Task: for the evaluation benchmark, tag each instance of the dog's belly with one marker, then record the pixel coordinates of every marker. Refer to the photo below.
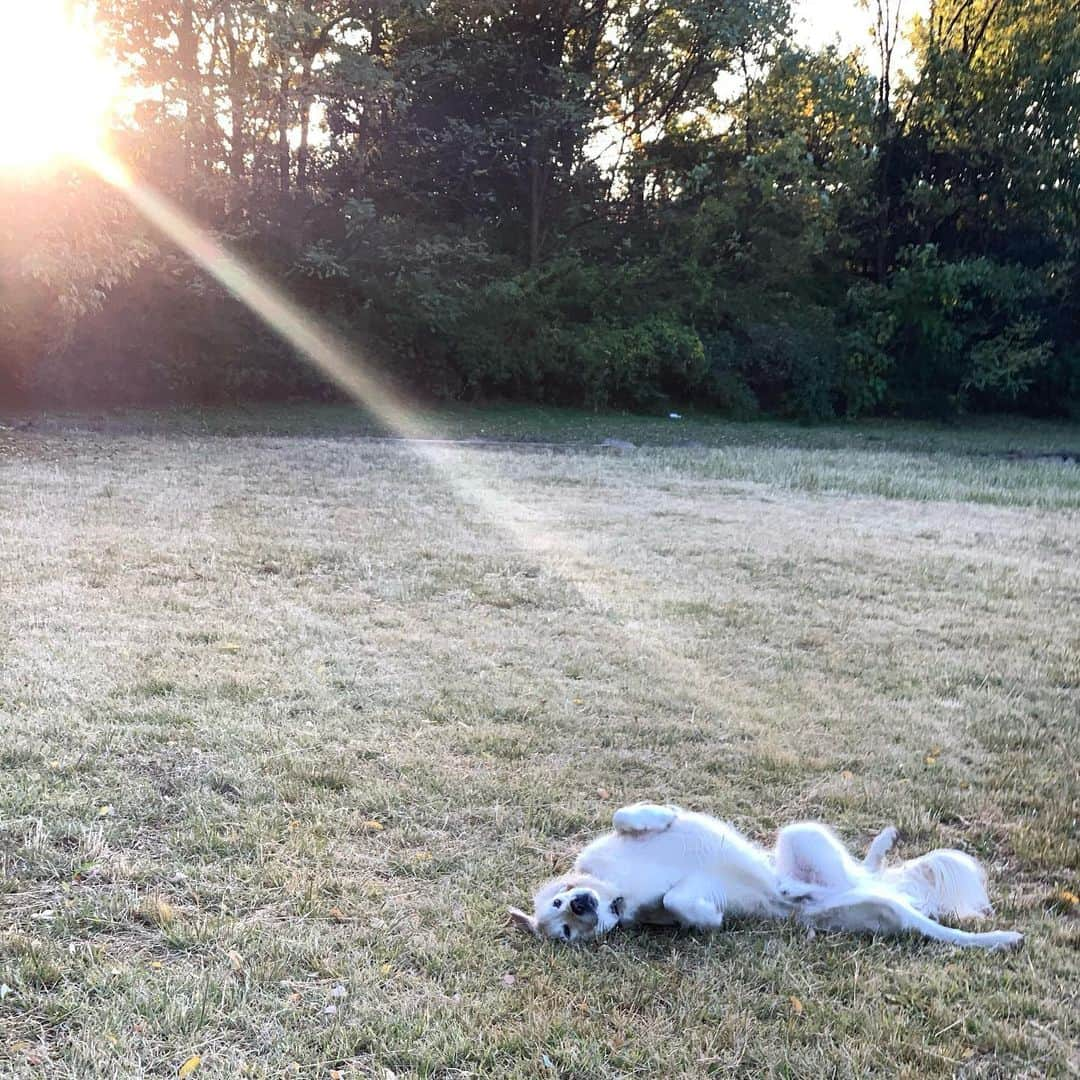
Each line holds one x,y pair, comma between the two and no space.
728,869
641,882
647,866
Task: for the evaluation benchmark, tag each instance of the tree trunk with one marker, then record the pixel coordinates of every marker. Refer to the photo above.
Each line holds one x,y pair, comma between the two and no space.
284,154
236,144
303,155
888,26
538,177
187,58
748,91
239,70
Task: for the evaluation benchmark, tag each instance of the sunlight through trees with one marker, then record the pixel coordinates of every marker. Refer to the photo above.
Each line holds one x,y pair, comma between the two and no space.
603,203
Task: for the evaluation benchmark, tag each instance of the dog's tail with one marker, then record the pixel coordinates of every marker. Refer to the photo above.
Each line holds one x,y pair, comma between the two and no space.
944,882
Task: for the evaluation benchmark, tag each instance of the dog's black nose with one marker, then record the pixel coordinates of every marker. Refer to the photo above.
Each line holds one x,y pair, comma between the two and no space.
583,903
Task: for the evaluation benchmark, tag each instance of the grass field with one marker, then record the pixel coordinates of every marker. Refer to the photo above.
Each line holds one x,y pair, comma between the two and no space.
288,721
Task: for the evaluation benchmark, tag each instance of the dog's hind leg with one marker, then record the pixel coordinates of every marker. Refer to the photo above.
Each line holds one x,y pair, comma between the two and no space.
811,861
643,818
880,847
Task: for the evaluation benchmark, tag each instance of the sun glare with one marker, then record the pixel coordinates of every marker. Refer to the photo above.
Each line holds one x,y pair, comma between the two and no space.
56,87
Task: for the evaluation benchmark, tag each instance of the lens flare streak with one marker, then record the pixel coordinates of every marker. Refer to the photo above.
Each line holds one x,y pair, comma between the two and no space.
529,527
342,362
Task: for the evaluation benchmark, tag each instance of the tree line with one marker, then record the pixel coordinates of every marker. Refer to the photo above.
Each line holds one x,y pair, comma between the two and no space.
606,203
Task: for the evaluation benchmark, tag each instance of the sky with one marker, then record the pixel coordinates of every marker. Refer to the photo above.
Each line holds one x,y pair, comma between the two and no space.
820,21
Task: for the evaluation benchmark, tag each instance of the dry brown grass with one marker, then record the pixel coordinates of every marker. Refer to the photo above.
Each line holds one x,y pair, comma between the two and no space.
286,725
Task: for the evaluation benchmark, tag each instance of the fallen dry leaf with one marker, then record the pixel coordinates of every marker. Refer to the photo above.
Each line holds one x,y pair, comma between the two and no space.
796,1005
189,1066
1063,902
157,911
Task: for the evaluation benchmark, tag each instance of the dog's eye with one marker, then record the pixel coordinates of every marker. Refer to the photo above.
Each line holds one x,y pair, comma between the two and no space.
566,932
556,903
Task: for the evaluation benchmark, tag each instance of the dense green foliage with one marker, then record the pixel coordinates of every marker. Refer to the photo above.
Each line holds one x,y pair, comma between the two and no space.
590,202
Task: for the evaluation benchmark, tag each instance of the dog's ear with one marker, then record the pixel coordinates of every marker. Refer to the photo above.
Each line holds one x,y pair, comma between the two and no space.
523,922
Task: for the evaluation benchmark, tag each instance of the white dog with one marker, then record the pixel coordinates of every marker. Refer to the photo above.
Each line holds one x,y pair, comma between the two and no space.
667,865
660,865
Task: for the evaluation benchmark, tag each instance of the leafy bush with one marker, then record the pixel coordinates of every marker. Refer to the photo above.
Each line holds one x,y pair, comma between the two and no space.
569,335
462,323
171,335
943,332
65,242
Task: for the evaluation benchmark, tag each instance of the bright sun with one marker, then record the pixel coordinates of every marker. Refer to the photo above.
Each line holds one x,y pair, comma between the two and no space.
56,87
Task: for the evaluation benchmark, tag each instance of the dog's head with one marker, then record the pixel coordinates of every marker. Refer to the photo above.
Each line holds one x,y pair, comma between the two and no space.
575,908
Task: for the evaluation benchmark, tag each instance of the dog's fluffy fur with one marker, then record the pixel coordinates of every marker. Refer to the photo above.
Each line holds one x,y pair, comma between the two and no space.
834,891
661,864
666,865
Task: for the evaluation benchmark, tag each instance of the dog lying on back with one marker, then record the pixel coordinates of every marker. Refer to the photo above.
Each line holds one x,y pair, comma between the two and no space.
663,865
